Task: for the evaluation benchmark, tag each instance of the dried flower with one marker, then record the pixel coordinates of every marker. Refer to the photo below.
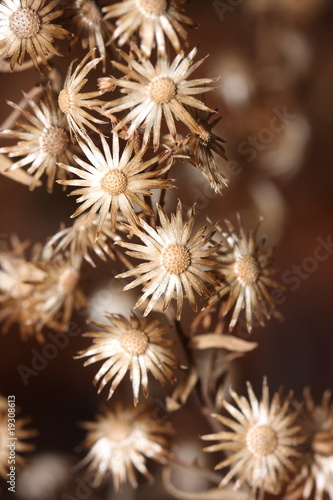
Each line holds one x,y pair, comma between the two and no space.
134,345
246,276
120,441
21,434
156,91
316,475
111,181
90,26
175,261
43,140
25,26
72,102
263,440
153,19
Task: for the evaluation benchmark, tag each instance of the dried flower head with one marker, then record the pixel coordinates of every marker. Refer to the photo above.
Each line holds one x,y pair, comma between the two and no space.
80,239
72,102
153,19
177,261
43,140
130,345
113,181
156,91
21,434
120,441
316,475
246,276
263,441
25,26
89,26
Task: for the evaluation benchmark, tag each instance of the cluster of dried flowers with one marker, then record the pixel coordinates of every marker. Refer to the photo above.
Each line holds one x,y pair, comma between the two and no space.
118,154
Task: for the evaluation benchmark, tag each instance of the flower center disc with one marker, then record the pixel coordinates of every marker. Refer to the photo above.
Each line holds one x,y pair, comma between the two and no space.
176,259
118,431
162,90
114,182
90,12
25,23
322,443
134,342
54,141
68,281
261,440
152,7
247,270
64,101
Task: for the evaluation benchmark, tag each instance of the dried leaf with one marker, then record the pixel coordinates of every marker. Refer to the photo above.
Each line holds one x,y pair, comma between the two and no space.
182,391
211,340
18,175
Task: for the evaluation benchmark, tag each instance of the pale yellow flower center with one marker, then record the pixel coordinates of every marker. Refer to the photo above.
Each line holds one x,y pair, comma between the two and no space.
261,440
247,270
162,90
176,259
90,12
118,431
54,141
152,7
65,101
134,342
25,23
68,281
114,182
322,443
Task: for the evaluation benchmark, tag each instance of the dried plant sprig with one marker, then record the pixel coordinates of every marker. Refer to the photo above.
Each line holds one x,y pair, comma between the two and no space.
132,345
90,27
43,140
114,180
153,19
246,276
177,261
26,26
316,475
74,103
120,442
154,92
263,439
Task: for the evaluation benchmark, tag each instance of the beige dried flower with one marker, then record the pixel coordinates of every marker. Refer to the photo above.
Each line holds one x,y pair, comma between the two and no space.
121,441
153,92
263,440
112,181
20,434
177,261
153,19
43,140
72,102
245,276
25,26
89,26
130,345
316,475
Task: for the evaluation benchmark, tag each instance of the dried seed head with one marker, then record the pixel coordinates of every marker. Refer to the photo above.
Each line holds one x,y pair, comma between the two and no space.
90,12
205,136
162,90
176,259
322,443
151,7
25,23
68,281
247,270
54,141
118,431
134,342
114,182
261,440
65,101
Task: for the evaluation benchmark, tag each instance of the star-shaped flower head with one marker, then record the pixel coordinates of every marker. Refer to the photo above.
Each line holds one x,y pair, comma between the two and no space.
244,268
263,441
130,345
176,260
121,441
153,92
112,181
153,19
26,26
